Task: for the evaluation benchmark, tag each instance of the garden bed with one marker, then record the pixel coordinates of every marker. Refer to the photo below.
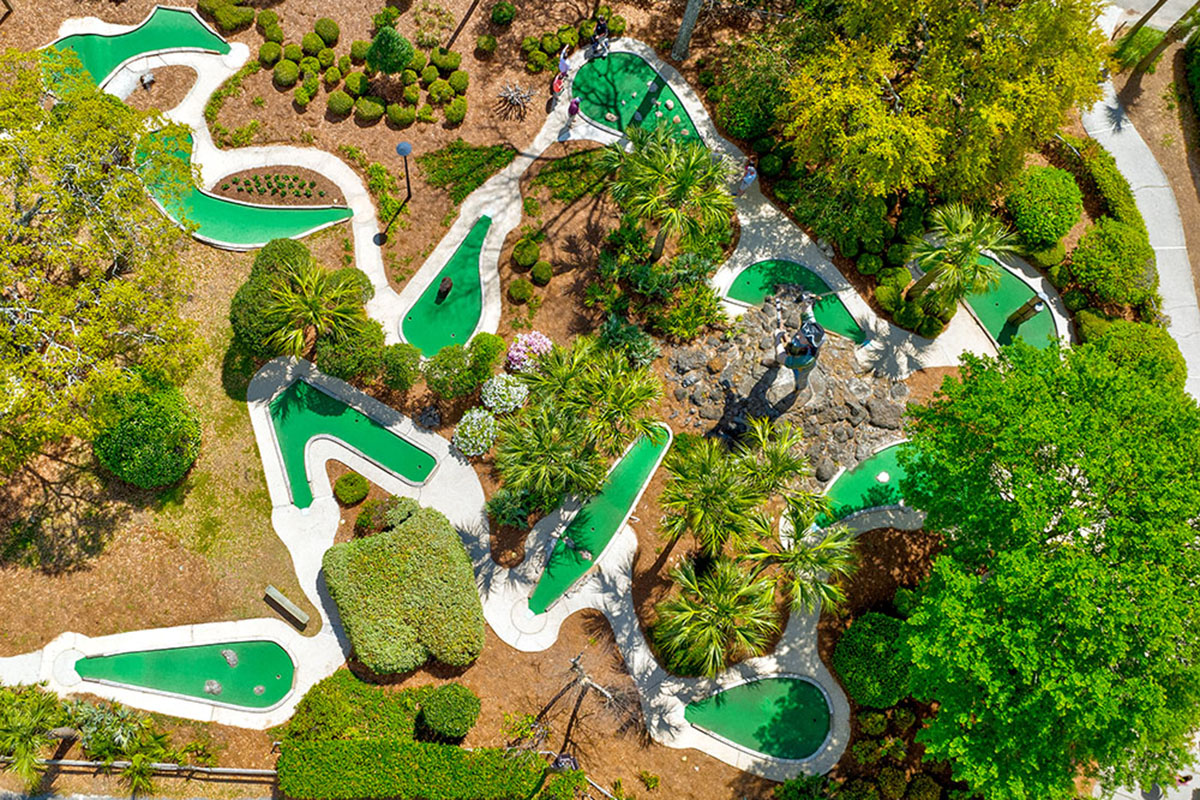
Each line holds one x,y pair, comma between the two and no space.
273,187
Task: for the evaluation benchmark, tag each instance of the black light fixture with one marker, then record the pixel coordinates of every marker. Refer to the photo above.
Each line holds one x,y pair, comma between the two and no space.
404,149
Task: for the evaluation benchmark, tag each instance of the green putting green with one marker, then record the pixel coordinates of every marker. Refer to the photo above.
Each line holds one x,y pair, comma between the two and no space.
621,84
757,281
599,520
303,412
874,482
232,223
432,325
255,674
781,717
994,306
164,29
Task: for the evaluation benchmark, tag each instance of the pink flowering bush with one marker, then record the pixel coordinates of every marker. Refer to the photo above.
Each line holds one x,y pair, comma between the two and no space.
525,351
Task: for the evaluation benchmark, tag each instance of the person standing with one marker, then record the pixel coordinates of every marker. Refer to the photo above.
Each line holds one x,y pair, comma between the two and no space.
564,66
748,176
572,112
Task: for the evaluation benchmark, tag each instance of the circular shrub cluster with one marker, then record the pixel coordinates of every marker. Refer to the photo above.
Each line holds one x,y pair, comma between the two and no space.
340,103
293,52
311,44
429,75
456,111
526,253
351,488
310,65
520,290
869,660
401,115
1045,203
450,711
150,437
475,432
358,50
1115,262
269,53
328,30
358,354
266,18
445,60
368,109
440,92
286,73
504,393
541,273
333,76
486,44
458,81
412,94
503,13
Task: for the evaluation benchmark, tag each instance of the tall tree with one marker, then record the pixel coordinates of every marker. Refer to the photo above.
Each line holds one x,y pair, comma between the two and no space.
953,257
811,564
1177,31
1060,629
679,51
307,301
90,284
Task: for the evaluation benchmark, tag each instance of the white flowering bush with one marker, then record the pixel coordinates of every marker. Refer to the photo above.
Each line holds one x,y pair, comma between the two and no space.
504,393
475,432
525,351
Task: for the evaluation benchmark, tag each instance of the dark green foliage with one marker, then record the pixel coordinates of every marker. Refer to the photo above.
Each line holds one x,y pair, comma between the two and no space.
1048,257
340,103
269,53
369,108
1074,300
1147,349
858,789
385,18
341,707
356,278
1191,69
286,73
503,13
537,61
486,350
357,84
372,515
358,355
278,256
456,110
895,276
412,94
803,787
458,81
509,508
870,661
389,52
905,600
573,176
869,264
872,723
910,315
541,273
401,116
250,326
1045,203
526,253
328,30
447,61
149,436
311,44
897,254
770,165
461,169
923,787
888,298
293,52
351,488
520,291
407,595
228,14
458,371
486,44
930,327
449,712
358,50
892,783
1114,261
550,45
753,91
440,92
903,719
1099,165
401,366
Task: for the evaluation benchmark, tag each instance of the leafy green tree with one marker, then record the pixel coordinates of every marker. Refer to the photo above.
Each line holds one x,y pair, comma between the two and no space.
308,302
720,616
678,184
1060,629
389,52
953,258
811,565
547,453
149,436
90,283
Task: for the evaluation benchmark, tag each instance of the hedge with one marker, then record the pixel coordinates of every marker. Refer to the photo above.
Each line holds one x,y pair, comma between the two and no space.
1114,261
456,110
344,707
1097,164
369,108
407,595
359,354
387,770
1045,203
149,436
450,711
1191,70
377,516
351,489
252,328
870,661
401,116
401,366
1146,349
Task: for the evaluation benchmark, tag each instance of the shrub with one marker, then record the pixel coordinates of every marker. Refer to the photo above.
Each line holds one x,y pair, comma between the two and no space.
341,707
293,52
895,276
251,328
931,327
897,254
1143,348
568,35
1045,203
269,53
531,45
229,16
339,103
1116,263
400,115
328,30
376,516
412,94
368,108
355,278
1092,324
525,351
520,291
923,787
638,346
1191,69
401,366
869,264
892,783
770,165
389,52
326,58
302,96
456,110
486,350
458,81
541,273
910,315
526,253
475,432
358,50
266,18
904,719
309,66
344,65
359,354
504,393
407,595
616,26
429,75
273,33
425,114
440,92
448,374
311,44
872,723
888,298
279,255
486,44
859,789
1048,257
385,18
333,76
419,60
869,660
1074,300
286,73
409,77
503,13
550,45
537,62
351,488
803,787
450,711
149,435
446,61
509,508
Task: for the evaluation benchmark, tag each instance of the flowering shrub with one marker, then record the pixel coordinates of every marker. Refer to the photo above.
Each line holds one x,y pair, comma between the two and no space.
504,393
525,350
475,432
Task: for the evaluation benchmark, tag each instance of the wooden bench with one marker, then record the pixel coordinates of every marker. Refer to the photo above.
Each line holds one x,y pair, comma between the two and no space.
287,608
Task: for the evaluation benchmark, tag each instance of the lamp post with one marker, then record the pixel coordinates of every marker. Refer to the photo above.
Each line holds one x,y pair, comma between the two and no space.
404,149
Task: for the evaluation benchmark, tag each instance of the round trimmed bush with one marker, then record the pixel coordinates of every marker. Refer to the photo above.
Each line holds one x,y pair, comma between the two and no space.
770,165
456,110
445,60
326,58
419,60
269,53
520,290
425,114
333,76
869,264
149,437
526,253
1143,348
541,273
616,26
266,18
869,659
429,74
358,50
440,92
293,52
486,44
550,44
450,711
895,276
530,45
930,327
401,115
892,783
369,109
251,328
458,81
537,62
503,13
273,33
344,65
302,97
1115,262
310,65
311,44
888,298
569,36
351,489
1045,203
357,84
340,104
412,94
286,73
355,279
359,354
897,254
475,432
277,256
328,30
1048,257
401,366
923,787
409,77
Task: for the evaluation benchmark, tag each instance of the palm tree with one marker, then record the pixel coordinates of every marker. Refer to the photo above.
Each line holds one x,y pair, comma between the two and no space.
548,453
308,302
811,565
953,258
678,183
27,717
1174,33
770,455
560,371
718,617
616,397
708,494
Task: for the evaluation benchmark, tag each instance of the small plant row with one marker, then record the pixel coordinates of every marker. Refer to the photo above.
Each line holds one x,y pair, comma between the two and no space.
541,52
275,184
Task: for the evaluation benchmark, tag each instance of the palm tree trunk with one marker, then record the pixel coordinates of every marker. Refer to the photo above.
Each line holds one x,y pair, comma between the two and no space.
690,14
659,243
919,288
1173,34
1137,26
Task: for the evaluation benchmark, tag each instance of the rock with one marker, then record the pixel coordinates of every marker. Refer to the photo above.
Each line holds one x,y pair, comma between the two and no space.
675,119
857,414
687,360
766,344
711,412
690,380
658,114
429,418
841,432
610,116
899,391
230,656
680,393
864,451
716,364
637,116
826,469
783,386
859,388
884,413
671,107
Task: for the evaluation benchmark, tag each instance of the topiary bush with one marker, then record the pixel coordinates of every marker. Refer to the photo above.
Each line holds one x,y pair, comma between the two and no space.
541,273
503,13
326,58
1143,348
485,44
273,33
358,50
445,60
458,80
328,30
228,14
1045,203
550,45
266,18
369,109
339,103
869,660
429,75
475,432
456,110
293,52
504,393
520,290
389,52
526,253
351,488
401,115
892,783
401,366
357,84
269,53
149,435
251,328
616,26
311,44
425,114
286,73
1114,261
302,96
450,711
359,354
344,65
440,92
412,94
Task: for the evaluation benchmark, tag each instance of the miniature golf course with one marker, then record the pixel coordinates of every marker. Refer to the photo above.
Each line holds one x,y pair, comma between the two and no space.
302,412
783,717
994,306
625,85
254,674
164,29
434,321
599,520
873,483
758,281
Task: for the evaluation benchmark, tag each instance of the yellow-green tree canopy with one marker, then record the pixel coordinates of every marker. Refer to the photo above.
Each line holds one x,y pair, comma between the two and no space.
90,286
